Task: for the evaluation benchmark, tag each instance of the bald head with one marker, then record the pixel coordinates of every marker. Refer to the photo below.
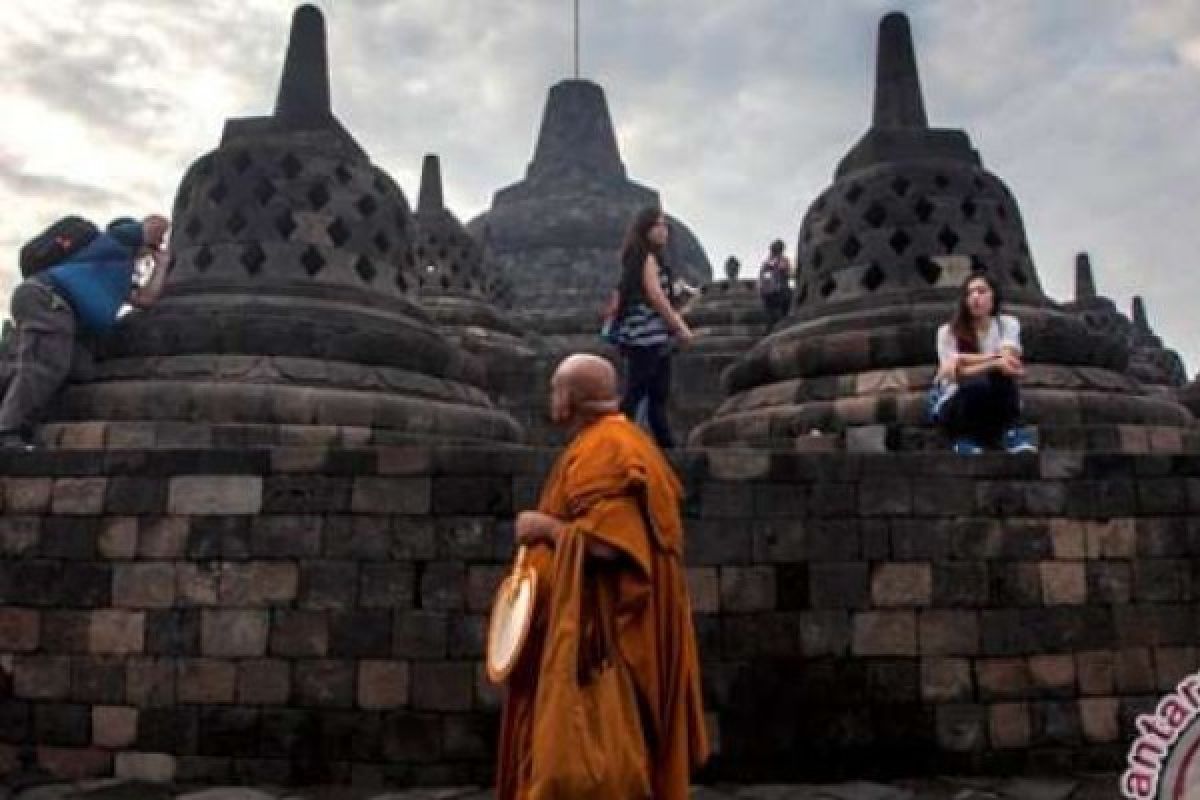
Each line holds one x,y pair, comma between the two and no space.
583,386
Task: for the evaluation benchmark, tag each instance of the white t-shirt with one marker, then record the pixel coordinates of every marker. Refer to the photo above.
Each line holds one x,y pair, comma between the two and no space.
1004,331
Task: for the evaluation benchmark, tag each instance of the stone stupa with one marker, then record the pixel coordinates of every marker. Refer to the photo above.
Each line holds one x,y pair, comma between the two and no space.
881,257
290,311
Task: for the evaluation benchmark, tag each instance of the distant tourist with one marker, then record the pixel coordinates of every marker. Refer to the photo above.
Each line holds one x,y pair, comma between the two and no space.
975,398
80,292
774,284
646,322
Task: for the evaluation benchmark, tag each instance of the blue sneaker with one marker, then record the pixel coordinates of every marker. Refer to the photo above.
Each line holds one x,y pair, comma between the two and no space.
966,447
1018,440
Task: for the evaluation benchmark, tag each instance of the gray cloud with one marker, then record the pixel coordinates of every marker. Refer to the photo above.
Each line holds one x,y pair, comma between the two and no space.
736,112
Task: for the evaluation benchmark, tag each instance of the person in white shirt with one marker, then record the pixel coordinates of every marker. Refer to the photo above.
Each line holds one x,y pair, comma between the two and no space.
976,398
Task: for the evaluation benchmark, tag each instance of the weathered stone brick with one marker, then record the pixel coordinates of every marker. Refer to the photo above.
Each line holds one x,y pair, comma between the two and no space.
1134,671
1098,716
196,583
420,635
135,495
1109,582
164,537
117,539
833,540
946,680
1162,580
461,495
232,634
821,633
1164,537
885,633
1068,537
443,586
299,634
27,495
838,584
326,585
19,537
1002,678
363,633
901,585
306,494
146,767
150,682
382,685
327,684
392,585
942,497
1008,725
1096,672
114,727
149,585
68,538
117,632
66,631
1162,495
1063,582
174,730
98,680
1172,665
356,538
443,685
962,728
206,680
1113,538
226,538
792,587
263,682
832,499
74,763
1055,723
413,539
229,732
19,629
392,495
40,677
703,589
949,633
215,494
747,588
173,632
78,496
259,583
885,497
285,536
718,542
1052,675
779,500
1015,583
960,585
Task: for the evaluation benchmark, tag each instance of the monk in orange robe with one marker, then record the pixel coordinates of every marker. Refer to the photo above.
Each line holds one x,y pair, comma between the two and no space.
608,483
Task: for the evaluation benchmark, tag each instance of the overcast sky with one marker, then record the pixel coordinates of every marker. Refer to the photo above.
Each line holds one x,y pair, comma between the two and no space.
735,110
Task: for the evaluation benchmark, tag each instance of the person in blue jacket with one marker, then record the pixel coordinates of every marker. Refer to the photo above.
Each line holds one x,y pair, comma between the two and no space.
84,293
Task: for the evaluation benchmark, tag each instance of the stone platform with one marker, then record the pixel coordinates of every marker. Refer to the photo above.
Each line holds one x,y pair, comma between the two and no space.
1084,787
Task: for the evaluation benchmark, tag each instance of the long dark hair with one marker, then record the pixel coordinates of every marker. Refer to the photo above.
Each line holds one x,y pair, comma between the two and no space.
961,325
634,250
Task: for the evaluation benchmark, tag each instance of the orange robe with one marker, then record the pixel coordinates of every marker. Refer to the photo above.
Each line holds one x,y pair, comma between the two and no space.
595,486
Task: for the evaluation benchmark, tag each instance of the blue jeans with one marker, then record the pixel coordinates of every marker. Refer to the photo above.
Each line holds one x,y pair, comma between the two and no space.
648,377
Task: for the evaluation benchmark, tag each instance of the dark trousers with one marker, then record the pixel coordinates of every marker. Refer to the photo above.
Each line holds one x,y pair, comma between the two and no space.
45,349
648,377
983,408
777,305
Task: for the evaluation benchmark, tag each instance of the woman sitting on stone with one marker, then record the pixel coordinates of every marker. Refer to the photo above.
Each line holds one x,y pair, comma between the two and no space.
976,399
646,320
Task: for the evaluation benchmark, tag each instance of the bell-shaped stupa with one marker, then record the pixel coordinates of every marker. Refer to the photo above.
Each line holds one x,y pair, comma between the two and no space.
289,313
881,257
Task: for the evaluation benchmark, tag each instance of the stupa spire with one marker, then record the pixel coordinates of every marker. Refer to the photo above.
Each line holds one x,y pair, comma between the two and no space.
898,100
303,99
430,198
1085,283
1140,320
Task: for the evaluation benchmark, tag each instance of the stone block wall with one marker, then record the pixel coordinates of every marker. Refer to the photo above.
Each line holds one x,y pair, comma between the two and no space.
316,615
